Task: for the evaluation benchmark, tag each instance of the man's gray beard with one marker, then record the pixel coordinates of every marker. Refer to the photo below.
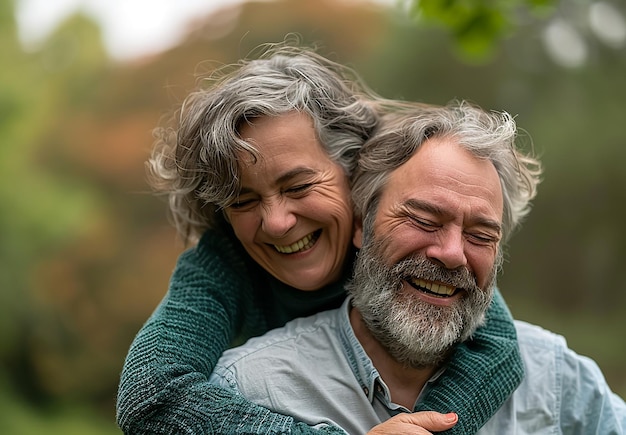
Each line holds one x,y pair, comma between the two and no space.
415,332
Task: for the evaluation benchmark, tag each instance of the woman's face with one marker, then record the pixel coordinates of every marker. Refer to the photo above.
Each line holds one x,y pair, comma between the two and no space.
293,214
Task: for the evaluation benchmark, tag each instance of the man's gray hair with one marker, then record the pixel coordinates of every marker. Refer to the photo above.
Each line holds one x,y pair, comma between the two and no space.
195,162
487,135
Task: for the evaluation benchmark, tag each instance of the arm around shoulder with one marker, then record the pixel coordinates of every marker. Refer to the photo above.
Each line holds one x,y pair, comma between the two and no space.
164,384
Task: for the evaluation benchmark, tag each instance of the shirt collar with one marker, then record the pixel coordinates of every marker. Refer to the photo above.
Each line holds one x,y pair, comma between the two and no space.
361,365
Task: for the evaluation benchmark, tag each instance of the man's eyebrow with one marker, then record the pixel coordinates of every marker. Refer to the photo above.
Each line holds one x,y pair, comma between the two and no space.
418,204
429,207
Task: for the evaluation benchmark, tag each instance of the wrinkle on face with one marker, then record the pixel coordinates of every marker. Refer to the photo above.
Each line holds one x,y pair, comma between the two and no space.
292,191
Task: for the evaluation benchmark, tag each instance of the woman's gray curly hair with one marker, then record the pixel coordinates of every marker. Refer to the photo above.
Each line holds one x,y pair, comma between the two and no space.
195,162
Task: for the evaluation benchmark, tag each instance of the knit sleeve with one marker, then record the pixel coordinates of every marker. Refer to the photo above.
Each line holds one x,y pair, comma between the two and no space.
481,374
164,385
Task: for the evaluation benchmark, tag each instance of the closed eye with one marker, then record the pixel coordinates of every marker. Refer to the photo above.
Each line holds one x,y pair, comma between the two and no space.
300,188
424,224
481,239
243,204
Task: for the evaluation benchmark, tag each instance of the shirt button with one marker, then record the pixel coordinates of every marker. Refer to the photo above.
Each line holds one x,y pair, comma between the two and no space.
366,391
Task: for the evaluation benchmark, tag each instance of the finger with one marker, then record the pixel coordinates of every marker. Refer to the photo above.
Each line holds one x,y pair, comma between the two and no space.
430,420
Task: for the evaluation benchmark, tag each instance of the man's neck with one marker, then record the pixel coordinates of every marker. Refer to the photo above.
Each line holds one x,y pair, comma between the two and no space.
405,383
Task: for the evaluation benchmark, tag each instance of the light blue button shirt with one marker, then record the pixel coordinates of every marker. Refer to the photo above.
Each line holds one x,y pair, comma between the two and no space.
315,370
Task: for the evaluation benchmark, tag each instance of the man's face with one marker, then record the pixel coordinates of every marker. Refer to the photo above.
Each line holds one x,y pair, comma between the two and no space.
424,280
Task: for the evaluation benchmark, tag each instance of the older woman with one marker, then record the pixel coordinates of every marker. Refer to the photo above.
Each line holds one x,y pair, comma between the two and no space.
258,170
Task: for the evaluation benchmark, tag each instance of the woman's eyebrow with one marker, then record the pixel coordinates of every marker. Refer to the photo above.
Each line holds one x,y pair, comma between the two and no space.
292,173
284,178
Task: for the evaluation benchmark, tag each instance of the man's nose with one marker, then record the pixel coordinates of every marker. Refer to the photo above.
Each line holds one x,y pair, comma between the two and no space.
277,218
448,249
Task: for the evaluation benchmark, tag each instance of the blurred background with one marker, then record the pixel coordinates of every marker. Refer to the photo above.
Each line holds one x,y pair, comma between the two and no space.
86,251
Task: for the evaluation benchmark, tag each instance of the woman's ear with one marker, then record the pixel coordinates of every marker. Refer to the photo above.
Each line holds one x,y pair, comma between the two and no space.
357,237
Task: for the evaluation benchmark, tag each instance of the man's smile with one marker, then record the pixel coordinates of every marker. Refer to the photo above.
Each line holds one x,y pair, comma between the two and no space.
433,288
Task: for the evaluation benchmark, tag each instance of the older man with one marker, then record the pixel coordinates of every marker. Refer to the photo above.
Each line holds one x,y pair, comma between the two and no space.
437,192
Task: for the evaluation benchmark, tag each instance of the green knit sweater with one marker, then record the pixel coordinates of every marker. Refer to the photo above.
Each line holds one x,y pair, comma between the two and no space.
219,296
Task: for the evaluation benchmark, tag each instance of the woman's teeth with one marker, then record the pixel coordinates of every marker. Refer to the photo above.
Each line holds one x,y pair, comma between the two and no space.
432,287
301,245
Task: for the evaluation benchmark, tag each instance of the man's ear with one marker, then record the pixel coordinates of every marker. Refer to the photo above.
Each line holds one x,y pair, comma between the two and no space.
357,237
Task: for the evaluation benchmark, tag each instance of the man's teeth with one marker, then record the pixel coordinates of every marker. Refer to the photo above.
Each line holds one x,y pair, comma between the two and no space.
439,289
305,243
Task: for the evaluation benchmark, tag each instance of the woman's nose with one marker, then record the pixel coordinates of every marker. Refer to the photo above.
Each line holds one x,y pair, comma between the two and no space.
277,219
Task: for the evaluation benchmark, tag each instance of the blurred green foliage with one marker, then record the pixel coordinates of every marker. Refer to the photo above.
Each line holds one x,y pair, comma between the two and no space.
478,26
86,251
21,417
